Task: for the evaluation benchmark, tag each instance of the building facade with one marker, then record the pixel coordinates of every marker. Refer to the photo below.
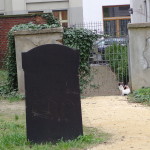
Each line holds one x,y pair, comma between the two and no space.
66,10
140,11
73,11
114,15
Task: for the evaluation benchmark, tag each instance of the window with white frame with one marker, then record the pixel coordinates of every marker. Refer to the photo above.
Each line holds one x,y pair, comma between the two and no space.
116,19
62,15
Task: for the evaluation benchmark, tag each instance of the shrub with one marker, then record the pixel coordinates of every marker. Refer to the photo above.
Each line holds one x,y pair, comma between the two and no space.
141,96
117,57
82,40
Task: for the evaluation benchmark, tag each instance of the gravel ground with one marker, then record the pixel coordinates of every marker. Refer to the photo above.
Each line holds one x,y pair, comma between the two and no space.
129,123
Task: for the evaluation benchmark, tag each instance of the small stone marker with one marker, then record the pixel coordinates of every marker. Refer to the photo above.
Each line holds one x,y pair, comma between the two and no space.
53,108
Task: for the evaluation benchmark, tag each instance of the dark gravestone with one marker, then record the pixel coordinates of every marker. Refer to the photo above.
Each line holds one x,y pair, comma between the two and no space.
53,108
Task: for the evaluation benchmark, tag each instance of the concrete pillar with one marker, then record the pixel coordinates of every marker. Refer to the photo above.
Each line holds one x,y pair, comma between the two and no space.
18,7
139,55
26,40
75,12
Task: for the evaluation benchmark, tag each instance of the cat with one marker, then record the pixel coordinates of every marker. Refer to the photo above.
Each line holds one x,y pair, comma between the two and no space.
125,90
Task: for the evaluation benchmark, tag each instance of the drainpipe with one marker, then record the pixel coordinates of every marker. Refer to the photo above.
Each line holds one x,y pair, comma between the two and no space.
145,3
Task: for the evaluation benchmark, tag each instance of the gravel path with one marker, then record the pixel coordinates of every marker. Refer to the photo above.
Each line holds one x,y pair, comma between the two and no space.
128,123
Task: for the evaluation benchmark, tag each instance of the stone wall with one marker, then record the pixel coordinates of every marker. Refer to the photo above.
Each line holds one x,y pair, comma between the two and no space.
103,82
139,55
26,40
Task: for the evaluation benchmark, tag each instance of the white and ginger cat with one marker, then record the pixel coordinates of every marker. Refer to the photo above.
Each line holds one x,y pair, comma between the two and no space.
125,90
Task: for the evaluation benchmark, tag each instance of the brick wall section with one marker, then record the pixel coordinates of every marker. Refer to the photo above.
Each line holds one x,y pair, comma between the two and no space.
7,22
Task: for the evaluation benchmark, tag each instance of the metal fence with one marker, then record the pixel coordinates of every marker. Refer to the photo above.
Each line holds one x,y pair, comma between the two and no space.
96,27
112,51
108,60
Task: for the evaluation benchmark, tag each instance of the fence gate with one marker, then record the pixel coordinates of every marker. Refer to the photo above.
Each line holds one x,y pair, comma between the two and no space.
109,59
109,66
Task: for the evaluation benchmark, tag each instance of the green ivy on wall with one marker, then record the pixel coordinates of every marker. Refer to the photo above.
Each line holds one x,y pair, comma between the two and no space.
51,19
82,40
11,55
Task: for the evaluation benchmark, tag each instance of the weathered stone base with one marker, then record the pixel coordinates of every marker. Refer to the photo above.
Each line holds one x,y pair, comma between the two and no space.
26,40
103,82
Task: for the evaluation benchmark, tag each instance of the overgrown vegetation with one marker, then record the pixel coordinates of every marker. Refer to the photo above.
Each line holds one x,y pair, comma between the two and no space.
9,88
13,137
117,57
4,94
140,96
51,20
82,40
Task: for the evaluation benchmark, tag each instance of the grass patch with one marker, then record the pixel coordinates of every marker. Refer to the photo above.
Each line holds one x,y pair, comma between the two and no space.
4,94
12,96
140,96
13,137
3,76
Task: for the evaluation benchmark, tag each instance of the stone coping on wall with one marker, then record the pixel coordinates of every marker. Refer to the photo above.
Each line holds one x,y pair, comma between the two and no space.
43,31
138,25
